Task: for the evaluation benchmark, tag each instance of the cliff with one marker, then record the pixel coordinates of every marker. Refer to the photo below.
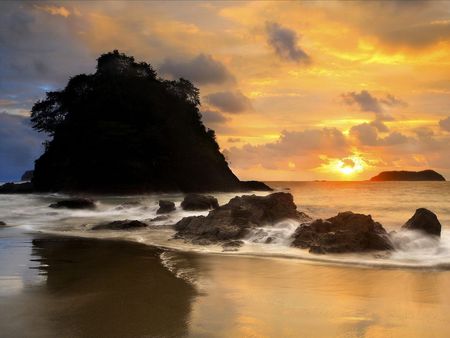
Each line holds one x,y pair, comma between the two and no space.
425,175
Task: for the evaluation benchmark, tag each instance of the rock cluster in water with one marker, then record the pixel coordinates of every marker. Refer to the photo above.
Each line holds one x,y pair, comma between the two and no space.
233,220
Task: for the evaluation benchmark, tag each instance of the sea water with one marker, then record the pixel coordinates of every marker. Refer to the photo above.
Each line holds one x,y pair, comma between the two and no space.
390,203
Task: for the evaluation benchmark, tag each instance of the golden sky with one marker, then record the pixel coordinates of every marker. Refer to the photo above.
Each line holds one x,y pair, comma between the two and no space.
295,90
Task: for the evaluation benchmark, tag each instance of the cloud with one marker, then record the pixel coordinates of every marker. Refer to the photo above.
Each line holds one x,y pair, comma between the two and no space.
39,52
366,134
285,43
302,148
445,124
20,145
234,140
213,117
202,69
54,10
233,102
366,102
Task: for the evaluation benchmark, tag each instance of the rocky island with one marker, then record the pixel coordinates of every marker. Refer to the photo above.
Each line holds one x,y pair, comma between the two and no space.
123,129
425,175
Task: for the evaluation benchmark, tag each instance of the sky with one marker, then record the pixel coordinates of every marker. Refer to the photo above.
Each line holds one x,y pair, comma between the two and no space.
318,90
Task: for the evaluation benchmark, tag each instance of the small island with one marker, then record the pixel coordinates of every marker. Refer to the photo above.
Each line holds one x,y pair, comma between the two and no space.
124,129
425,175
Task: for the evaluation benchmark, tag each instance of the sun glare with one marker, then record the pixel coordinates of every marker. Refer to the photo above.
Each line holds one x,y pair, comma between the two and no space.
350,165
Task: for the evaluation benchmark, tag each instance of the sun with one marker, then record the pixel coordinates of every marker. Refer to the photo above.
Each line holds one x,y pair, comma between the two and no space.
349,165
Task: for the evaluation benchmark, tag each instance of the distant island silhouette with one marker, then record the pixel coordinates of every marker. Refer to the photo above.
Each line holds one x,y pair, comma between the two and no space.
425,175
124,129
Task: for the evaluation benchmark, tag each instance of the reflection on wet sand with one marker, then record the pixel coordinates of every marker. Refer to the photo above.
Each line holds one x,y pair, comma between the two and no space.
98,288
261,297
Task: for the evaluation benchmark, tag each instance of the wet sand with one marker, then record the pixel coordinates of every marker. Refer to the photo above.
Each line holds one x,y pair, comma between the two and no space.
71,287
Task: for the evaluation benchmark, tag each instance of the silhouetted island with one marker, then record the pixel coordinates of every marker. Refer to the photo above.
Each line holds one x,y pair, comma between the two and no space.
124,129
425,175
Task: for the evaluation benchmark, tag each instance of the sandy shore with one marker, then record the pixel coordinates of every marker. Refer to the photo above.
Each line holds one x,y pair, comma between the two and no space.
71,287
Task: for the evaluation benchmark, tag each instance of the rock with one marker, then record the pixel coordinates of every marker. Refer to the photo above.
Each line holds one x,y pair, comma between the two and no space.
199,202
425,175
233,244
255,186
17,188
27,175
74,203
233,220
424,220
165,207
346,232
2,224
159,218
120,225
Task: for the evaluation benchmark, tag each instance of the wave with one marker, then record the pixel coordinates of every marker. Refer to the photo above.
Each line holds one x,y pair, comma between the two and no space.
31,213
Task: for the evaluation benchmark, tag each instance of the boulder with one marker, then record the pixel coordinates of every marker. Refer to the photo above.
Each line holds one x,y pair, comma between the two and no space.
165,207
17,188
346,232
120,225
199,202
424,220
233,220
74,203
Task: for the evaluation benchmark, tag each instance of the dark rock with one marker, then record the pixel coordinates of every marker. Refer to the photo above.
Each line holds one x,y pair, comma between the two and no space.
27,175
120,225
233,244
424,220
2,224
255,186
233,220
346,232
17,188
159,218
165,207
199,202
425,175
75,203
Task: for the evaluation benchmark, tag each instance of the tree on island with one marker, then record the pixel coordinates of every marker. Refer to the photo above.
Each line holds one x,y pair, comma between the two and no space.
124,129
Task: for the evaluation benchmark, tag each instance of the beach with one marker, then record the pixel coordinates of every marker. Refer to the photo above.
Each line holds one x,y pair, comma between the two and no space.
60,278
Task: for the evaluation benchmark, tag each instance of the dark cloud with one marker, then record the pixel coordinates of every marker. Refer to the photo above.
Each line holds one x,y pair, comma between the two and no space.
202,69
20,145
366,102
285,43
233,102
211,117
445,124
39,52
